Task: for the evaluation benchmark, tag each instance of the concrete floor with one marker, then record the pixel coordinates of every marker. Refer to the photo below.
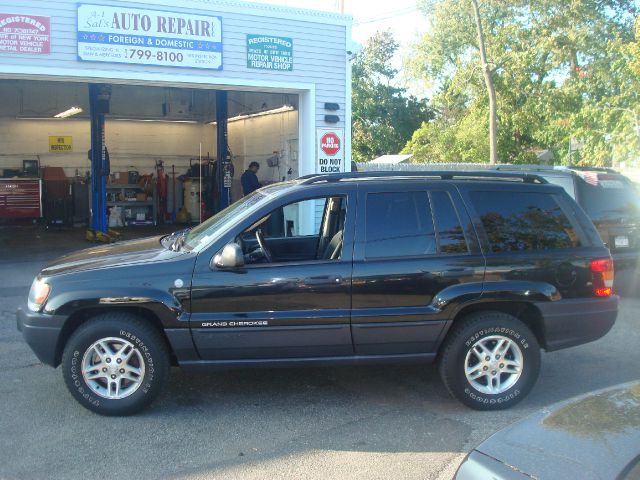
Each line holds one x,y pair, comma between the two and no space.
343,423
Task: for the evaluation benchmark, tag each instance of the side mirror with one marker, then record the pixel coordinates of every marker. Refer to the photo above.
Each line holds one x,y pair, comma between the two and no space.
230,256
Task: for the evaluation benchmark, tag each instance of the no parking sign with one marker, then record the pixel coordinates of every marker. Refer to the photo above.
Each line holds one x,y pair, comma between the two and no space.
330,150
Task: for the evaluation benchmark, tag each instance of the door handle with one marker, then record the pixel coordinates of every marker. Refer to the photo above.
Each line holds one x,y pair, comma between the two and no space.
457,272
323,280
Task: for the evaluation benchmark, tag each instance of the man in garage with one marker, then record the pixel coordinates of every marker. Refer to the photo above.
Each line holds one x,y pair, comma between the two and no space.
249,179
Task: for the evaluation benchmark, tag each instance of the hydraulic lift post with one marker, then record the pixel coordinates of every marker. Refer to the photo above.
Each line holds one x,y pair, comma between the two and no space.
99,96
224,166
98,158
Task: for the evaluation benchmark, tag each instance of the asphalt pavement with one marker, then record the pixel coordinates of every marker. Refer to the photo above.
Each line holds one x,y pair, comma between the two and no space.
343,422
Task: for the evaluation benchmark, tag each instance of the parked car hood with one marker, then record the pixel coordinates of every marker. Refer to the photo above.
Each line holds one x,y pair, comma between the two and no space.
595,436
117,254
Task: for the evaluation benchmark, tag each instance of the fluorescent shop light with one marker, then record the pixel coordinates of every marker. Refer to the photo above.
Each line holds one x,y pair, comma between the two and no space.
244,116
68,113
151,120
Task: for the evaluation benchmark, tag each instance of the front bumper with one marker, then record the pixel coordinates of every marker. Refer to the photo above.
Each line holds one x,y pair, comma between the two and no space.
42,333
572,322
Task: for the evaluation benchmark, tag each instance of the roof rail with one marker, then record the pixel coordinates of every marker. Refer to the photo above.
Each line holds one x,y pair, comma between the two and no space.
580,168
442,175
523,167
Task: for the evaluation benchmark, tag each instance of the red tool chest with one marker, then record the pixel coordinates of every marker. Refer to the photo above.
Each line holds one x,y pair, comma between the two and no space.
20,198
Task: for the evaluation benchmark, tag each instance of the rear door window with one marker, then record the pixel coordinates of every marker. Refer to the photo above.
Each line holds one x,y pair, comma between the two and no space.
524,221
451,237
399,224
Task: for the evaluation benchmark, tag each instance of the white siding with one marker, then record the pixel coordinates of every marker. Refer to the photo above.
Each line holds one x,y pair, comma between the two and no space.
319,39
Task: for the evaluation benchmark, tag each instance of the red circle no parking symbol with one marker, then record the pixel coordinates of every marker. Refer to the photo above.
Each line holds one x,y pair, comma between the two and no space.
330,143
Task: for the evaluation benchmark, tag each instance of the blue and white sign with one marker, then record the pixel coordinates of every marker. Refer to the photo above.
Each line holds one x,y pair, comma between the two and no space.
149,37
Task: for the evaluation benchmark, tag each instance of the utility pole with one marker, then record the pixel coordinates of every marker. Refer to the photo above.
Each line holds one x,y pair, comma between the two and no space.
491,90
341,6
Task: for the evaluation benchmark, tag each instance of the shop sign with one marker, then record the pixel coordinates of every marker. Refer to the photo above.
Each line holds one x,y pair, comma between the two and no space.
60,144
149,37
266,52
29,34
330,150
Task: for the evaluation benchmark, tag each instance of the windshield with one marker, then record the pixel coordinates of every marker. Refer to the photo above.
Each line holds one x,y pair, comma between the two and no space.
211,229
610,198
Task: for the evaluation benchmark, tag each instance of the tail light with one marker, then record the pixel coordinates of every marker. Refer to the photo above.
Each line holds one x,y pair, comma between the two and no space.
602,276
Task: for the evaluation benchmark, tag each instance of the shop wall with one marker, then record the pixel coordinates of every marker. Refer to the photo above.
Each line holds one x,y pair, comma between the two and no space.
130,143
256,139
319,52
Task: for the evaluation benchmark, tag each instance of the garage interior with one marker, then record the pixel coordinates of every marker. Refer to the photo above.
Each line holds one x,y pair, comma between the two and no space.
161,144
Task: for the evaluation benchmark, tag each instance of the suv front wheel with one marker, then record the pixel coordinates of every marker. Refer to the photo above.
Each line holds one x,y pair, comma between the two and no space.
115,364
490,360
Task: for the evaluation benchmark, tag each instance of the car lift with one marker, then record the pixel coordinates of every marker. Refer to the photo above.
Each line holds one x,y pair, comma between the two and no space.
99,96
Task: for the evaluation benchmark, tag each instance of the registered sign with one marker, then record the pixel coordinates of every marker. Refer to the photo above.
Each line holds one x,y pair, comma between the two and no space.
25,34
266,52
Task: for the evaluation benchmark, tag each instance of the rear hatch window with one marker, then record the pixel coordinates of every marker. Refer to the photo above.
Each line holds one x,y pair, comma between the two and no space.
613,204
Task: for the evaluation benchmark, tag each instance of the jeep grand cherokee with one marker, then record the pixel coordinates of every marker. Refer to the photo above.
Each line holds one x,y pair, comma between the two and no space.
477,271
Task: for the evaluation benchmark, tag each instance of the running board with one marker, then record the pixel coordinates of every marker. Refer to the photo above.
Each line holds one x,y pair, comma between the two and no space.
195,365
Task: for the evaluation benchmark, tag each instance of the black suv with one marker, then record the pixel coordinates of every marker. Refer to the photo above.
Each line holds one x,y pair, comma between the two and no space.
475,270
611,201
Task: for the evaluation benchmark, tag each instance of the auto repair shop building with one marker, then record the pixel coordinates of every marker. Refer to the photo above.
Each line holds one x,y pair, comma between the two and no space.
106,93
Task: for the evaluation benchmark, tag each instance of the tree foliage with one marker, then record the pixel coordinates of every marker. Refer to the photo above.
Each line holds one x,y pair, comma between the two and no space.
384,116
562,69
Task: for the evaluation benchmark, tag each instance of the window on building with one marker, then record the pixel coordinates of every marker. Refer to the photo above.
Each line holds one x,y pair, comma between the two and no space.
518,221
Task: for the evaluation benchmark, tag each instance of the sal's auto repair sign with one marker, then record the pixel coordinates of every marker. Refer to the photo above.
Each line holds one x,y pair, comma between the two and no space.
149,37
330,150
21,33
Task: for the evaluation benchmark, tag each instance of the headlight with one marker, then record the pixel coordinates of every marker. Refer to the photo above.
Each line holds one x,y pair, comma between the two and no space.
38,294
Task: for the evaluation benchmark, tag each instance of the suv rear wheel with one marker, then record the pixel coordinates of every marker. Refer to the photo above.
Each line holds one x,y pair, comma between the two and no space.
490,360
115,364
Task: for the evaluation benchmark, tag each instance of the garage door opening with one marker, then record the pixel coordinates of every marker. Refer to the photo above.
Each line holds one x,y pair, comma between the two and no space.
162,150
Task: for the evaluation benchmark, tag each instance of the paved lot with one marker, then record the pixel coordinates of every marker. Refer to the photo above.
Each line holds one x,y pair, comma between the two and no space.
367,422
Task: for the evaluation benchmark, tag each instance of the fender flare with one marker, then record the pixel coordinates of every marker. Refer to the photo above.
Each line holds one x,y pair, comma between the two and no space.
166,307
453,300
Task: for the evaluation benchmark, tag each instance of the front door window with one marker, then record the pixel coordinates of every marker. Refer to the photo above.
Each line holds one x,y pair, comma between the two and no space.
308,230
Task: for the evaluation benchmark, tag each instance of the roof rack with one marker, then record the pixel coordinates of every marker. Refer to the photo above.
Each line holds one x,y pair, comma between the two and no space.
442,175
523,167
592,169
551,168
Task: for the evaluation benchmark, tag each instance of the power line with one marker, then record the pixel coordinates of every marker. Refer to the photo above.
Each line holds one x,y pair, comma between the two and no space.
387,16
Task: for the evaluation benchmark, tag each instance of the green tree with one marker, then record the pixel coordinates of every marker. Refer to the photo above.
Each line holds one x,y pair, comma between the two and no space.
384,116
561,70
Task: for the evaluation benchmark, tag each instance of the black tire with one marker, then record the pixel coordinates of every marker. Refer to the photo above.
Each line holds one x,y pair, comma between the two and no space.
462,338
148,343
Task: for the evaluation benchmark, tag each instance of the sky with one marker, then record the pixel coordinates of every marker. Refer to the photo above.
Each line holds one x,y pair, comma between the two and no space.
369,16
